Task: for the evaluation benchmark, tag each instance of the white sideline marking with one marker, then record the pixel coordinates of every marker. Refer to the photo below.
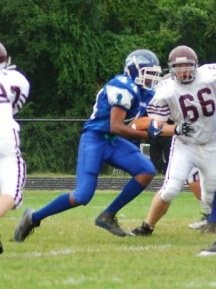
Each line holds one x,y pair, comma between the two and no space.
212,284
83,279
70,251
200,284
36,254
79,280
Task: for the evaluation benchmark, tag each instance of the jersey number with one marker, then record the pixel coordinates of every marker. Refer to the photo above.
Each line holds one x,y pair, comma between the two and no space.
190,111
3,94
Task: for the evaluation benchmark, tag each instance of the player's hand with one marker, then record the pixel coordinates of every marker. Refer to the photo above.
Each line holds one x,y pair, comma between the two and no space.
154,129
185,128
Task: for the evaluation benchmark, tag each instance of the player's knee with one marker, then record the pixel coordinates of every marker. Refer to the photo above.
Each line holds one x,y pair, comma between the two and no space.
169,193
151,171
83,199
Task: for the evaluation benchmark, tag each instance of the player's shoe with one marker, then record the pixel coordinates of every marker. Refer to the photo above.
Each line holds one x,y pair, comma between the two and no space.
25,227
109,222
199,224
209,228
1,248
211,251
143,230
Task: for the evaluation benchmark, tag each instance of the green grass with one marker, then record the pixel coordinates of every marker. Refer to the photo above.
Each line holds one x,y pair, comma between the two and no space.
68,251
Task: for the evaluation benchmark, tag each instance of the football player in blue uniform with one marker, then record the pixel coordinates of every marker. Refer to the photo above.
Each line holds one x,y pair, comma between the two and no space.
105,140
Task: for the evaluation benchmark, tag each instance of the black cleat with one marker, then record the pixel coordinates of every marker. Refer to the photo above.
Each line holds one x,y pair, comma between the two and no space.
211,251
143,230
109,222
25,227
1,248
209,227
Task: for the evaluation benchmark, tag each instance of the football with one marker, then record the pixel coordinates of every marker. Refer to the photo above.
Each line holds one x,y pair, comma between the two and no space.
141,123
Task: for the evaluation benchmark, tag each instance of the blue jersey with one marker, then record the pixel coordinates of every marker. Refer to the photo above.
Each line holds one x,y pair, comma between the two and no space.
97,146
119,91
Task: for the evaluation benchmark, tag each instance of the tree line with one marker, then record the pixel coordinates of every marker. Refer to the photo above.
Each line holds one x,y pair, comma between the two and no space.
68,48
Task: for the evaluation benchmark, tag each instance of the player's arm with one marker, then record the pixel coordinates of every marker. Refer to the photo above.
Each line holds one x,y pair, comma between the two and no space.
164,129
168,129
117,125
20,92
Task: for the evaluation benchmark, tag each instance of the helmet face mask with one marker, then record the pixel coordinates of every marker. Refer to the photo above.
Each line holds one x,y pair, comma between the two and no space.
143,67
148,77
184,74
183,64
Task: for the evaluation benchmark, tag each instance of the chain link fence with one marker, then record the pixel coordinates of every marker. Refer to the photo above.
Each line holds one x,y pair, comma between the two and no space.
50,146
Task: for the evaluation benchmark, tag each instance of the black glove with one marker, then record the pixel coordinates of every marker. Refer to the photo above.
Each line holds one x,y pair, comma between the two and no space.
185,128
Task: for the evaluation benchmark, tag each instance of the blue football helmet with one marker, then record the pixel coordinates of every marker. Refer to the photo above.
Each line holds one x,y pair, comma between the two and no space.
143,67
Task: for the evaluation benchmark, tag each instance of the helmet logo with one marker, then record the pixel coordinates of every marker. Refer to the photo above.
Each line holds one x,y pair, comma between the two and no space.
119,98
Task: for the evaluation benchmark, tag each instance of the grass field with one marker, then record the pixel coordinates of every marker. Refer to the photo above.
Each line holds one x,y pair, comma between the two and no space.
68,251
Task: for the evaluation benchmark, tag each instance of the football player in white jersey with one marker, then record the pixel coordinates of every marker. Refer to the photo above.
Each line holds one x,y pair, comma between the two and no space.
14,91
188,94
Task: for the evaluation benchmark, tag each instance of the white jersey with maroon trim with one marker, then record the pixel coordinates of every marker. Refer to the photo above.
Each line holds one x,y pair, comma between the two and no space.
195,101
14,91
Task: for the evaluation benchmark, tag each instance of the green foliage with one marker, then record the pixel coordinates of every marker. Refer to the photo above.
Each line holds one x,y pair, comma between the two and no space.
69,48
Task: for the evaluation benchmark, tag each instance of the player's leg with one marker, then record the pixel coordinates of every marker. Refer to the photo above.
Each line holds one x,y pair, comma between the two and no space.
205,208
6,204
177,171
32,219
88,166
208,185
12,175
127,157
194,186
210,225
156,154
166,145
